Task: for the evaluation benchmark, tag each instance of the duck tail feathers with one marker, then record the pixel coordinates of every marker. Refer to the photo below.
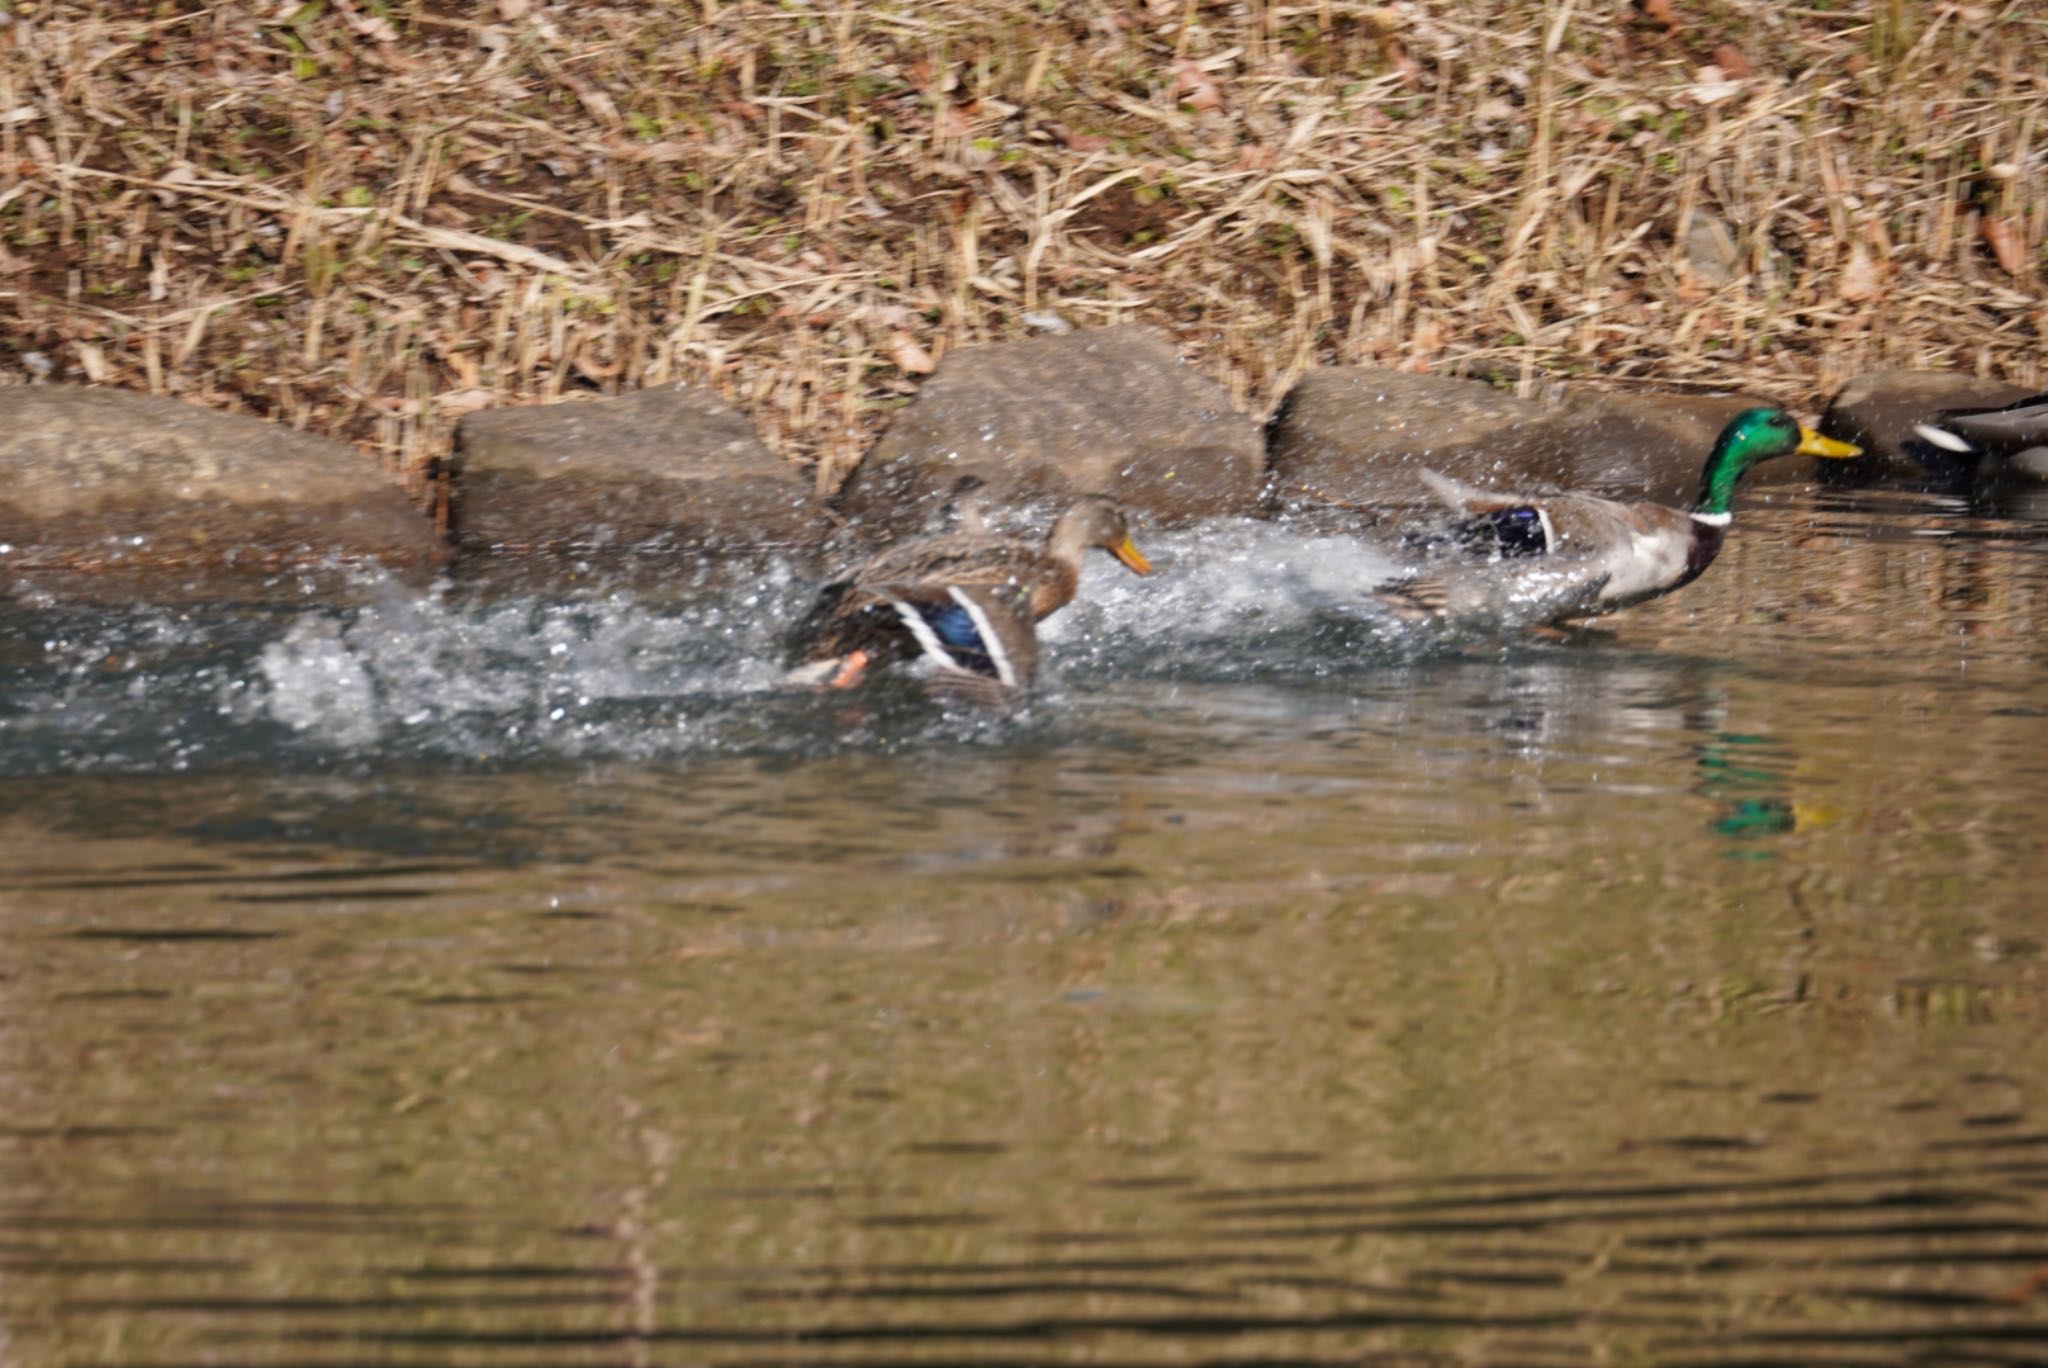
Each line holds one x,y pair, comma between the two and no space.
1453,494
977,691
1415,600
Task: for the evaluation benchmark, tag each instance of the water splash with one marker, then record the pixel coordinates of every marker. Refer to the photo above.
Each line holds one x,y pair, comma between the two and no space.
1229,601
1246,600
477,676
457,677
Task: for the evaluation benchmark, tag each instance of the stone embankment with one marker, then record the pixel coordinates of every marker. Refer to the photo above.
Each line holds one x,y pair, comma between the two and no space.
166,497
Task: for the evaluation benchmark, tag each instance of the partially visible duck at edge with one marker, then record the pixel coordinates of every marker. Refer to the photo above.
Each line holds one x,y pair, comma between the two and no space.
1990,441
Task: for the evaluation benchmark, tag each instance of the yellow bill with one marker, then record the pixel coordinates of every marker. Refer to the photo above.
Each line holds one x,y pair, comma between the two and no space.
1811,443
1127,552
1807,816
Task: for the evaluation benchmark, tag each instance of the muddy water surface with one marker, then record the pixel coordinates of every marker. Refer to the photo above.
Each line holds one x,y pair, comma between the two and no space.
502,982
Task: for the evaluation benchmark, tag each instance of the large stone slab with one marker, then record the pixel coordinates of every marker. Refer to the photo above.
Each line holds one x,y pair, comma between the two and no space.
1111,411
661,469
1878,411
100,480
1355,438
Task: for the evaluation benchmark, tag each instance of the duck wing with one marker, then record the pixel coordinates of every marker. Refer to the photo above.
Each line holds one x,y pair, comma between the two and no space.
957,558
856,612
980,639
1537,595
1597,554
1554,526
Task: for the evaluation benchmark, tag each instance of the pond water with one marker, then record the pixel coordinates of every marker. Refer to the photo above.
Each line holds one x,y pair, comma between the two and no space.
479,979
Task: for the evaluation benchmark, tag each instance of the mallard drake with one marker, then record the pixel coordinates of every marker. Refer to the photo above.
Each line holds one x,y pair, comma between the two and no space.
967,601
1583,555
2011,437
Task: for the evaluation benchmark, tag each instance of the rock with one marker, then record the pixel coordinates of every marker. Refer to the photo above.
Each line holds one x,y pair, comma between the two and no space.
1355,437
101,480
660,469
1710,250
1877,411
1111,411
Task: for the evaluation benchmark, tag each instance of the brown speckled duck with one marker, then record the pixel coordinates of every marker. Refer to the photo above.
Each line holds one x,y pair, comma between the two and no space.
969,602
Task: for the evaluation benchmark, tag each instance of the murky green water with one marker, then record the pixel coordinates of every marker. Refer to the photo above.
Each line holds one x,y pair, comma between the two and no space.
505,983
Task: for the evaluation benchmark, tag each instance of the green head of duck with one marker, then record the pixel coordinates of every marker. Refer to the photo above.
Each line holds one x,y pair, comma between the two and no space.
1758,434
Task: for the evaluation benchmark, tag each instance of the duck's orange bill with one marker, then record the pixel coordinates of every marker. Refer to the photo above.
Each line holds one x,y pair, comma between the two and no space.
1129,554
1811,443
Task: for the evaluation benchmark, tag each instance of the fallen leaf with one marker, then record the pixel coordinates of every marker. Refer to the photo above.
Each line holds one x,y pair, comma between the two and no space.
909,356
455,403
1394,53
668,150
1711,85
601,105
1195,88
2007,243
94,362
1711,249
1860,278
374,27
957,120
1733,64
591,368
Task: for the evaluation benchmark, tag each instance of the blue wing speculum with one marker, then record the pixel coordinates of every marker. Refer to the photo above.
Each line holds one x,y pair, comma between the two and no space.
1506,532
959,636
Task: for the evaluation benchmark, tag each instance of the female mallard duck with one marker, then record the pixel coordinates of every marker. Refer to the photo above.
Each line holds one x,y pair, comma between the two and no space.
2013,437
968,601
1594,555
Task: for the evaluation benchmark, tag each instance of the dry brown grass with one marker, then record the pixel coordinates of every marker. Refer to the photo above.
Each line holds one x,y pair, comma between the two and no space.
366,217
